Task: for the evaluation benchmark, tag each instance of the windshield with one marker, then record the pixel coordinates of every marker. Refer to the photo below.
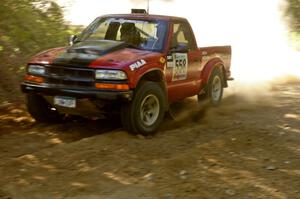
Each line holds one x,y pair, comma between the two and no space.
144,34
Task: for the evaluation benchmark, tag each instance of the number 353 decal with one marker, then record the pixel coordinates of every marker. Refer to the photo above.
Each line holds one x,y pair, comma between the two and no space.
180,64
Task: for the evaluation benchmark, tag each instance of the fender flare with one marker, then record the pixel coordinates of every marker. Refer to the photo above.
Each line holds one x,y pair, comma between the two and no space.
143,74
162,81
209,67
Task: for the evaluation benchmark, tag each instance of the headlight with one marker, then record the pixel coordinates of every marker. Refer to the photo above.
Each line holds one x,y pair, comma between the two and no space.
110,75
36,70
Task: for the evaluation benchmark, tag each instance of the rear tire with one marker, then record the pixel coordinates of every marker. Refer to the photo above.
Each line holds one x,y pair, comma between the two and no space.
146,111
41,110
214,90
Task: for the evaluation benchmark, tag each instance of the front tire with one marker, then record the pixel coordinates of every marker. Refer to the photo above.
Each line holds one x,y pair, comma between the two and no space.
41,110
146,111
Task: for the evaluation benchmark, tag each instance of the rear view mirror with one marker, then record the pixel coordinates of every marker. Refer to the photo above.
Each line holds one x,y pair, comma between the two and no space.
72,39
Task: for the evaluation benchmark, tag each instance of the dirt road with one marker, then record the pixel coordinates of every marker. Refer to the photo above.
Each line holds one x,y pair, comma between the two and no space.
249,147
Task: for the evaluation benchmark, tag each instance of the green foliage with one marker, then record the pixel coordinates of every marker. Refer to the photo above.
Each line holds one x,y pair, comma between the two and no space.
293,14
294,37
27,27
75,29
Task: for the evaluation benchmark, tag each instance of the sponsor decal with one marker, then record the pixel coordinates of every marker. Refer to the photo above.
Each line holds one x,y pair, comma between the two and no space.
162,60
170,61
137,65
224,57
180,64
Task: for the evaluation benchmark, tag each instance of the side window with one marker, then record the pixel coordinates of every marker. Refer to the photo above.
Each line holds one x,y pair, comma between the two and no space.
182,36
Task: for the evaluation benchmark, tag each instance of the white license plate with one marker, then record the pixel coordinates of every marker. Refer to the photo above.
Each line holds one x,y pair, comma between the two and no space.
64,101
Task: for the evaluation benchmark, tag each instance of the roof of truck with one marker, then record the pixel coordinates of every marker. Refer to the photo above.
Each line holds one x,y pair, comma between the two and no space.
146,16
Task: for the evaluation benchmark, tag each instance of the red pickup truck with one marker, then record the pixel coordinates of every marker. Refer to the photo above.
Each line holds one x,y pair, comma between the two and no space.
132,64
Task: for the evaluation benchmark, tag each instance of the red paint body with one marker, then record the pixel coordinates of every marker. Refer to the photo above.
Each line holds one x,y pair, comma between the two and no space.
201,61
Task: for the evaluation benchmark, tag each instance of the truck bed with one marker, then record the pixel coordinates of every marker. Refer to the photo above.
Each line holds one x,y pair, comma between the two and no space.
222,52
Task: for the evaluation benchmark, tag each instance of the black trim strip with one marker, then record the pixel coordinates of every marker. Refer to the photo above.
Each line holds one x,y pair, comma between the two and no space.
78,93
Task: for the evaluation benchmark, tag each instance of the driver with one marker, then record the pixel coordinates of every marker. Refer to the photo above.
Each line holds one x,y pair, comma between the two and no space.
130,34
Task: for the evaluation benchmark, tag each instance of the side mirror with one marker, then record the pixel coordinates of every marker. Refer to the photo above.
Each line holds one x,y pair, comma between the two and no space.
72,39
180,48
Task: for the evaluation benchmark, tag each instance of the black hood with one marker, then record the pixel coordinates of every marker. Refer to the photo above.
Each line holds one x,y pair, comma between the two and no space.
85,52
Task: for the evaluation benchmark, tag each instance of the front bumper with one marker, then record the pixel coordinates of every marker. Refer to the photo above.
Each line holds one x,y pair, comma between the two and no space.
76,92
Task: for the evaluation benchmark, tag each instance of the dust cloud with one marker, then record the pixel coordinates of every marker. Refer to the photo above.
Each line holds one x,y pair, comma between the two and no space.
261,54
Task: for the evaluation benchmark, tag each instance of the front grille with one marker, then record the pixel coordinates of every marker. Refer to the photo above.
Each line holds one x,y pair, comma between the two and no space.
70,77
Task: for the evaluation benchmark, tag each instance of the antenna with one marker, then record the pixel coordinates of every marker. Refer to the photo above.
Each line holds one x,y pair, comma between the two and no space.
148,1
